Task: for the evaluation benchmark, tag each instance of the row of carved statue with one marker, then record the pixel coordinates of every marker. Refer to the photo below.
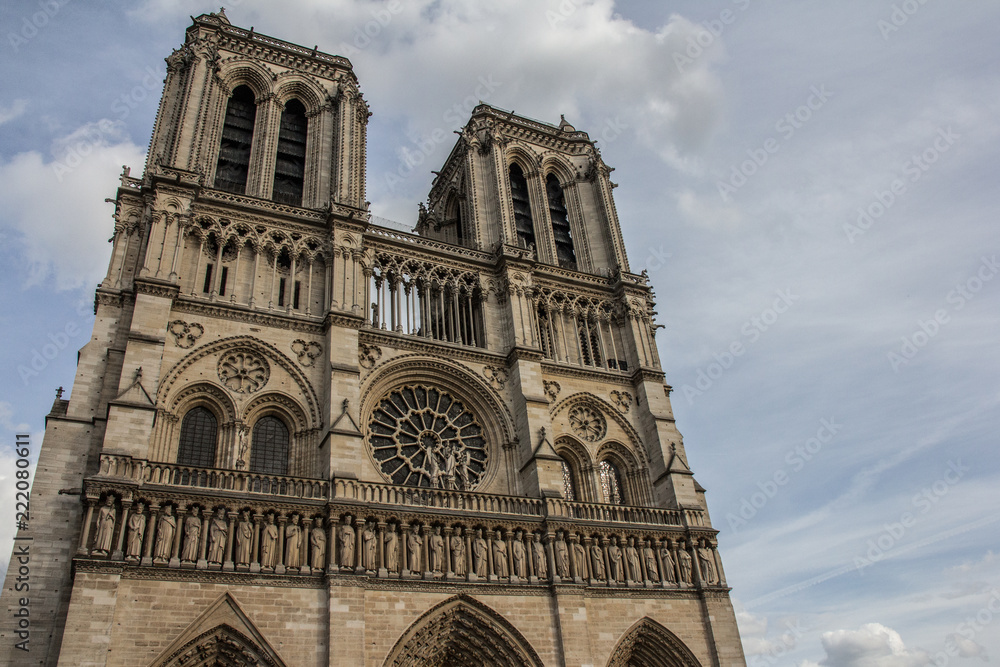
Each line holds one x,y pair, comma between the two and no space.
244,540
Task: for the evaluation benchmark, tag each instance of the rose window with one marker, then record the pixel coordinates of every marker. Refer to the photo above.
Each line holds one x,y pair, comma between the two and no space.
587,423
422,436
243,371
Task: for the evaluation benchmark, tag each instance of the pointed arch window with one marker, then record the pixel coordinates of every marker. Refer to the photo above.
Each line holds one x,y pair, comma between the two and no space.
569,482
565,254
269,449
611,483
198,438
523,222
290,165
237,139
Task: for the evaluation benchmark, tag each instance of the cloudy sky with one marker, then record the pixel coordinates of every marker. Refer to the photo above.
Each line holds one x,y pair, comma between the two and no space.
810,186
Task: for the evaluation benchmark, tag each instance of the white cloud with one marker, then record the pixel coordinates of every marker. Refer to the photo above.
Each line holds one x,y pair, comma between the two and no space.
871,645
55,206
16,108
967,648
7,419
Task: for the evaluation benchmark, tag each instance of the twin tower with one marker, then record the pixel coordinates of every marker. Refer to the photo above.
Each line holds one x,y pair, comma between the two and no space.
298,438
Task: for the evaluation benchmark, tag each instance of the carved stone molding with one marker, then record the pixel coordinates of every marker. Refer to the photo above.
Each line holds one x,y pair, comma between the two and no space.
622,400
243,371
185,334
368,355
552,389
307,352
496,376
587,423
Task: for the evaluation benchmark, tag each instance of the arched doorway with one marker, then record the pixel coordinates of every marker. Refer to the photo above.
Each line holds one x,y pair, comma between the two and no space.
461,632
649,644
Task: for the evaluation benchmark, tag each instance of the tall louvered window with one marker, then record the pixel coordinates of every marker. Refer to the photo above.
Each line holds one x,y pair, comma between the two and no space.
198,438
522,208
560,223
269,449
237,138
290,165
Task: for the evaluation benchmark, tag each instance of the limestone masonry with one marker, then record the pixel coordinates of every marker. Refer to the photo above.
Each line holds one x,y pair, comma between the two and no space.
297,438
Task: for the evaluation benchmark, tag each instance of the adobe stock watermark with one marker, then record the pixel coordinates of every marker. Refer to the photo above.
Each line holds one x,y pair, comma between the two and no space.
786,642
365,34
786,127
37,20
751,332
704,39
83,142
923,502
962,642
963,293
899,17
913,170
796,459
412,157
38,358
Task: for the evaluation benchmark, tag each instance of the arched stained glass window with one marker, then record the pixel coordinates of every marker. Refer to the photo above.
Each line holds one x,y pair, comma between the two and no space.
611,483
565,254
569,483
198,438
290,165
237,139
269,449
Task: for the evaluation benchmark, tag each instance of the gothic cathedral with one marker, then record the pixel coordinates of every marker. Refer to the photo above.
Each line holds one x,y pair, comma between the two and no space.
297,438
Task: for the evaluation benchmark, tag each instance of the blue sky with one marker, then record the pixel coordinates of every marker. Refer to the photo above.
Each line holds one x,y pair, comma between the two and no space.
810,185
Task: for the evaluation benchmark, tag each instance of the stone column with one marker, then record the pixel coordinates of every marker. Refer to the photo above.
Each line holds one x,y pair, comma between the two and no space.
227,558
122,526
84,549
150,536
279,567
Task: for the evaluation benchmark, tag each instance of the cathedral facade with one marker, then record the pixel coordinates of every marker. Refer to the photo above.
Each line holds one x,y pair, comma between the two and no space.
298,438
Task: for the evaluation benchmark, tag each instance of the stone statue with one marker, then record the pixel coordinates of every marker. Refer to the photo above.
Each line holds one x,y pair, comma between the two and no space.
192,533
458,552
462,471
136,531
562,557
293,543
615,560
538,554
684,558
317,539
105,527
597,561
707,563
434,468
347,545
499,555
580,554
269,543
218,532
650,557
669,569
436,544
632,556
518,556
414,542
244,539
449,461
165,529
479,552
369,547
391,549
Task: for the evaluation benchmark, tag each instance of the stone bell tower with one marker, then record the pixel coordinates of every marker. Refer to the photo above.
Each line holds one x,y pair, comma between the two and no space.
299,438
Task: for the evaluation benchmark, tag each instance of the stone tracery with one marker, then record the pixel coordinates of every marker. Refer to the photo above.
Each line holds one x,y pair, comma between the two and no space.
422,436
